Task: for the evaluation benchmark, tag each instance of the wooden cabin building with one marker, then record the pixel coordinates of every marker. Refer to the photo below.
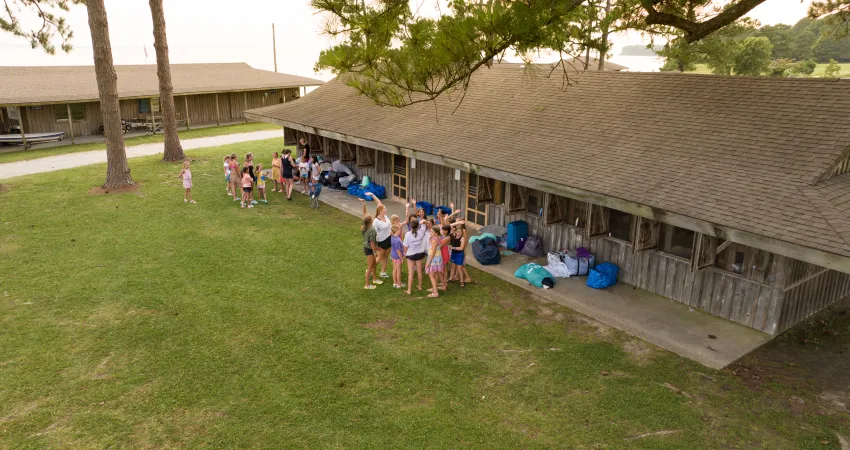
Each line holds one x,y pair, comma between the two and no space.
43,99
727,194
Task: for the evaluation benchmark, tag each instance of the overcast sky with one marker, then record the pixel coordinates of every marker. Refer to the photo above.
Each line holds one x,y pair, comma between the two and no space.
227,31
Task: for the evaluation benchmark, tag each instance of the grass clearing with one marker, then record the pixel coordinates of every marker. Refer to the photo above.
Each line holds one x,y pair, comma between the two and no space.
135,320
20,155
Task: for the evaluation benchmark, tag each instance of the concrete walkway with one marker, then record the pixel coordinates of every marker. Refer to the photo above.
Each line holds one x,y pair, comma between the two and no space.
712,341
70,160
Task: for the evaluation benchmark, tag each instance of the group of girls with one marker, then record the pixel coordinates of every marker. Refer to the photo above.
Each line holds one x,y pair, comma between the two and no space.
307,169
250,180
439,244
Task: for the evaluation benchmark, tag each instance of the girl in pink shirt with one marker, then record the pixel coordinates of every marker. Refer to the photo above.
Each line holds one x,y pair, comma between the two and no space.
186,175
247,184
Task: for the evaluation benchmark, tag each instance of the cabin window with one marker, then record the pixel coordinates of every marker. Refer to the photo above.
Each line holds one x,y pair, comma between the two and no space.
567,210
365,157
518,199
78,112
534,204
620,225
730,257
676,241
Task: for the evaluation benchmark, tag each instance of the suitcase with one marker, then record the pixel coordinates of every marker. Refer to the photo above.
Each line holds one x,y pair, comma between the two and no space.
516,231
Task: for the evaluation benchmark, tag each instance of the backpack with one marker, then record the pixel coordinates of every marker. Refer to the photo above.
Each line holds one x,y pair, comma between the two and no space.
486,251
533,247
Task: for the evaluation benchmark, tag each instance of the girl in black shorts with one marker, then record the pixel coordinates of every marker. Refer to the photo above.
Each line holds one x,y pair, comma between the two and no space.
286,173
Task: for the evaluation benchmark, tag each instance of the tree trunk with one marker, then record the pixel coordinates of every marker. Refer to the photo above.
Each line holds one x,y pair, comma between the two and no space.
117,171
603,49
173,149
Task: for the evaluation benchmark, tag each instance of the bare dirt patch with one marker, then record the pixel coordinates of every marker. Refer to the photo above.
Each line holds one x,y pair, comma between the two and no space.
109,191
5,188
639,351
383,324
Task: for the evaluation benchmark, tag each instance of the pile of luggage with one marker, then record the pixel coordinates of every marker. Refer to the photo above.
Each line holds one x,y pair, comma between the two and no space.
367,187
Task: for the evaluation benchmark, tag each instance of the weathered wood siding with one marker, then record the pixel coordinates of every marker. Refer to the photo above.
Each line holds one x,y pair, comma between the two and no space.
809,290
43,120
201,110
380,172
753,298
436,184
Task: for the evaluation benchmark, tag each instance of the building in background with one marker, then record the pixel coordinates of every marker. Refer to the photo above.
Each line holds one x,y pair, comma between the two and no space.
65,98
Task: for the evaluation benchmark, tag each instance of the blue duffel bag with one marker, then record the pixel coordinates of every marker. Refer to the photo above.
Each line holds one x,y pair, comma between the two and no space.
378,190
352,189
603,276
428,207
486,251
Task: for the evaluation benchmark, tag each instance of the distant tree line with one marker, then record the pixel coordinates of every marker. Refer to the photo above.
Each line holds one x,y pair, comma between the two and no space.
746,48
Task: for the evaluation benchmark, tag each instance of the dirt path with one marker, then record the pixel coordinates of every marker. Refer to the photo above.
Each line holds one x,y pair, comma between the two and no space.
70,160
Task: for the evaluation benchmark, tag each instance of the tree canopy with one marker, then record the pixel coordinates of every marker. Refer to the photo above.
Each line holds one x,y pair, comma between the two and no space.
50,22
397,56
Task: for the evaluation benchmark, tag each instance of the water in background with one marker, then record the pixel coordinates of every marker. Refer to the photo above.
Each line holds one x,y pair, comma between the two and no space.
639,63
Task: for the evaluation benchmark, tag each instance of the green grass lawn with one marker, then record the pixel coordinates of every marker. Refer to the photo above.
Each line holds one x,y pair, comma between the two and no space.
845,70
184,134
135,320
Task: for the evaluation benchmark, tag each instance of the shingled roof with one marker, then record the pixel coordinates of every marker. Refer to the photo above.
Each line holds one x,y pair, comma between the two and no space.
49,84
744,153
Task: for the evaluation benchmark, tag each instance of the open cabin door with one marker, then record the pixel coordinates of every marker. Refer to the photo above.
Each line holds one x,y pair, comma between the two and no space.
479,190
400,177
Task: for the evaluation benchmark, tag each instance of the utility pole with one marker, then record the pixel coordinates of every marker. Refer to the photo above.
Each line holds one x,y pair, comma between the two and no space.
274,48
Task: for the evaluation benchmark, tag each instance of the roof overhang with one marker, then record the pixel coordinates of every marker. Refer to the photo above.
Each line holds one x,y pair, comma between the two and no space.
811,255
156,94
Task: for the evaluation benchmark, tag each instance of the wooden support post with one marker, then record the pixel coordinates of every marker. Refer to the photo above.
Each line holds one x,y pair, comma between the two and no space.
70,122
217,111
186,110
246,106
23,128
153,118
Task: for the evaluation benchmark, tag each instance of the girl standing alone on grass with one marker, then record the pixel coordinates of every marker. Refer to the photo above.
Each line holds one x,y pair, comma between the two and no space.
247,183
434,267
276,172
370,248
414,250
186,175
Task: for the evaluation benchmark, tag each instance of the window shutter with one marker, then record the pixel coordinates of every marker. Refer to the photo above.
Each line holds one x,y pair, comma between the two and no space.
485,189
647,234
331,149
598,221
519,195
289,137
556,209
346,153
705,252
365,156
315,142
